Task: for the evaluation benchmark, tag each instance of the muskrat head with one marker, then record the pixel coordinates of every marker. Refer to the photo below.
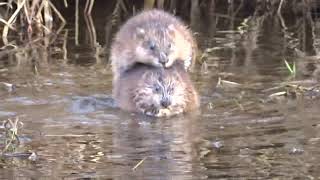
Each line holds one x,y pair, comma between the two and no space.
159,94
154,45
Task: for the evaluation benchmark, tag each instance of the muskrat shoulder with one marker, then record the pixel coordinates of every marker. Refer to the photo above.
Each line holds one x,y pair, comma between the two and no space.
152,37
156,91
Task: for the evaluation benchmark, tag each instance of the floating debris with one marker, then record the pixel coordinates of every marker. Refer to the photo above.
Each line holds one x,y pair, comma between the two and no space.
139,163
7,86
23,155
225,83
33,156
217,144
69,135
293,91
295,150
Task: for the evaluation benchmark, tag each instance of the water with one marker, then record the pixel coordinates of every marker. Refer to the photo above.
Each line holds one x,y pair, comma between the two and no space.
62,97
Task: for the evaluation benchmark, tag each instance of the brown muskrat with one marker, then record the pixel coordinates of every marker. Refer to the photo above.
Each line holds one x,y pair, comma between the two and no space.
156,91
152,37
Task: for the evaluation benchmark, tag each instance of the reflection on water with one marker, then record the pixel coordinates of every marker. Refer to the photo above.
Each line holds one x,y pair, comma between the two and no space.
62,96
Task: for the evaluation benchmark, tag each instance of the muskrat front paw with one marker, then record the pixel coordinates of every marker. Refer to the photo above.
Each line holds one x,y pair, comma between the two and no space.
164,113
168,112
152,111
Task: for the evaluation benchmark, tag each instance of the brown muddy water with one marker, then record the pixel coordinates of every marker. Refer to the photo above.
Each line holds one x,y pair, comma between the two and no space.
61,93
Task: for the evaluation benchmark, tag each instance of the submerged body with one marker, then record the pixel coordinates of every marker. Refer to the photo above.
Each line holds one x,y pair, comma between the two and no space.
156,91
152,37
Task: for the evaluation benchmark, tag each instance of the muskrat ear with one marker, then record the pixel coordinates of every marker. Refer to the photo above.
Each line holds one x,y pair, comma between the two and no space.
147,75
140,32
176,76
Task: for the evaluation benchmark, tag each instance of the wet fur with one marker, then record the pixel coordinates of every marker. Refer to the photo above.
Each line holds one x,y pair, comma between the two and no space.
127,48
134,91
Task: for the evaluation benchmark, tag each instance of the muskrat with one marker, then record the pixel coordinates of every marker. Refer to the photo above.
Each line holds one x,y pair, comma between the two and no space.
156,91
152,37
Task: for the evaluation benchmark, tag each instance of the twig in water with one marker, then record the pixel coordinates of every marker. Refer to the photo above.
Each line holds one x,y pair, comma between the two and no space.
139,163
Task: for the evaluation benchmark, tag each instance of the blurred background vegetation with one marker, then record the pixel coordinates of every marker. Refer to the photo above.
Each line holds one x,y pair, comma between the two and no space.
26,22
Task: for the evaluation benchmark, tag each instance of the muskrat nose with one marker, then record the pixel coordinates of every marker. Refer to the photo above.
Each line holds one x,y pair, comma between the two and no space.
163,58
165,103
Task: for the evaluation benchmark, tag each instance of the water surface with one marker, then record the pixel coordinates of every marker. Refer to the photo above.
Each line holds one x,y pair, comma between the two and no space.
62,96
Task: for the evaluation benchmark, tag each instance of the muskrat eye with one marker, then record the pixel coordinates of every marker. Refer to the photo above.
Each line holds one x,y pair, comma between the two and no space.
157,88
152,46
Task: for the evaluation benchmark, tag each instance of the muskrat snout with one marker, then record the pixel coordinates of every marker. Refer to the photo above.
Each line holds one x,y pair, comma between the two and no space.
163,58
165,102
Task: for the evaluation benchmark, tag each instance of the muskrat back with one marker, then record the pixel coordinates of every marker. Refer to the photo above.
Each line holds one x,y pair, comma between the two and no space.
153,37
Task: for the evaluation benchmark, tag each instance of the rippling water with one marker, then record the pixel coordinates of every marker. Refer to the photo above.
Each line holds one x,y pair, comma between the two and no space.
71,124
